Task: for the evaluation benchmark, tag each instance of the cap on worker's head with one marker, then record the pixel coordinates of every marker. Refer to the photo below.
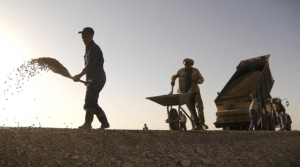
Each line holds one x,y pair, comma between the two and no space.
188,60
87,30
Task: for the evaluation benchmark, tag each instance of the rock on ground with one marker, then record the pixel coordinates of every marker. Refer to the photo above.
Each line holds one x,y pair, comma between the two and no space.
73,147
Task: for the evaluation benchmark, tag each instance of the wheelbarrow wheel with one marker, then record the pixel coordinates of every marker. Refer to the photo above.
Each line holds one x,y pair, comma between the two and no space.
173,116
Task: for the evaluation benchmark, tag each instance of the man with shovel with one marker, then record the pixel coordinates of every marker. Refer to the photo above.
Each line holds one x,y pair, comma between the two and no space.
95,73
189,78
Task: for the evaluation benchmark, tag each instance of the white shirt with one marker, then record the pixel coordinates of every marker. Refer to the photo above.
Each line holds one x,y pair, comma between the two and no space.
182,118
254,106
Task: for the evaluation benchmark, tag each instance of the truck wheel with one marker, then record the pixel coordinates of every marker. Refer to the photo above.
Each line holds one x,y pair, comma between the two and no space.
225,128
288,124
272,123
266,123
173,116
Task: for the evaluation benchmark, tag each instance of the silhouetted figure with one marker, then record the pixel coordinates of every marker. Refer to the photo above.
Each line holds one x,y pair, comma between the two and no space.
145,127
189,78
95,73
253,110
280,112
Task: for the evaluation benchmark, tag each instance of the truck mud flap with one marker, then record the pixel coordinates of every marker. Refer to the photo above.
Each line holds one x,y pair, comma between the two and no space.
231,124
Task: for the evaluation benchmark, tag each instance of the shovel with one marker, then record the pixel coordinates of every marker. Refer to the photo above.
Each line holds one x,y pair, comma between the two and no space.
58,68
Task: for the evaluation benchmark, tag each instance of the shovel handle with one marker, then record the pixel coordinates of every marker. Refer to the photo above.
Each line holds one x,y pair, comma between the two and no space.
79,80
82,81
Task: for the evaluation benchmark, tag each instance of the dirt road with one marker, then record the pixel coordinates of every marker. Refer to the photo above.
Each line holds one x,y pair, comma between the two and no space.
72,147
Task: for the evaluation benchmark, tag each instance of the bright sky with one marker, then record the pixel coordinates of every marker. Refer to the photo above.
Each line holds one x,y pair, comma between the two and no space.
144,43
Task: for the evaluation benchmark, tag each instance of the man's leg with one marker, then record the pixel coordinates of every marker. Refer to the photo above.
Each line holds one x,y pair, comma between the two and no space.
89,116
192,119
252,120
184,125
191,107
181,125
278,116
200,108
282,118
101,117
100,113
91,99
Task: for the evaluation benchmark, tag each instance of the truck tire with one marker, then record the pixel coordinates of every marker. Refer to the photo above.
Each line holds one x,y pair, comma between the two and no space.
288,124
272,123
173,116
266,124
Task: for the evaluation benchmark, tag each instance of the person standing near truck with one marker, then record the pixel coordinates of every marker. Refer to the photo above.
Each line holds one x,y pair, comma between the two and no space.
253,110
280,112
95,73
189,78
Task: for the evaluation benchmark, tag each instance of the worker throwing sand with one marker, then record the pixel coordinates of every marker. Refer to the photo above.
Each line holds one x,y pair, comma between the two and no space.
94,72
189,78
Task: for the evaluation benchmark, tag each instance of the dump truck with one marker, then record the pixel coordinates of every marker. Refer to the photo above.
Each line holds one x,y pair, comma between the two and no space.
252,79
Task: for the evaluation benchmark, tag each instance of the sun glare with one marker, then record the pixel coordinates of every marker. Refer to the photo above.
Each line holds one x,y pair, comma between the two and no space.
13,103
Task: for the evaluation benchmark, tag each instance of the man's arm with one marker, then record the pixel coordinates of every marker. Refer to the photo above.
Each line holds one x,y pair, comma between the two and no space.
200,78
76,78
92,60
173,78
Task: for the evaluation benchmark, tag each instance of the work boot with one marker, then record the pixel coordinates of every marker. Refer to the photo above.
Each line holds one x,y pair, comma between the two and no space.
204,126
102,118
104,125
89,116
199,127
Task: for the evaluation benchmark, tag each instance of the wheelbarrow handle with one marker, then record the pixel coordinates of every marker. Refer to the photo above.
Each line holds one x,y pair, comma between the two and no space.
171,90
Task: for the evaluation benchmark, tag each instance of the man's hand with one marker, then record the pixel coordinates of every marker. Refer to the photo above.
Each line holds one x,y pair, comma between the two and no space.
195,79
172,83
76,78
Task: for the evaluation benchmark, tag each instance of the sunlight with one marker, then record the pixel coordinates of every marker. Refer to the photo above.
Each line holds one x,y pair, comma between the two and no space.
13,104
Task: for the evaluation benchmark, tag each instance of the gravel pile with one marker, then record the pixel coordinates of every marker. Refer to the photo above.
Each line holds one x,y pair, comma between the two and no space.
71,147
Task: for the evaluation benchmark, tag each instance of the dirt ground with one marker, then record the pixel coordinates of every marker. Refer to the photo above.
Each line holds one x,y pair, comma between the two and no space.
132,148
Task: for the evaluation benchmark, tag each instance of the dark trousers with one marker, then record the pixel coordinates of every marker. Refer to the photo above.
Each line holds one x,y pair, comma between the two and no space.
91,98
182,126
196,101
281,116
253,123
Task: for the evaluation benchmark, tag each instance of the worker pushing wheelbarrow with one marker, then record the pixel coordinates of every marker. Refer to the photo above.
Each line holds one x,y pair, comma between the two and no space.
189,78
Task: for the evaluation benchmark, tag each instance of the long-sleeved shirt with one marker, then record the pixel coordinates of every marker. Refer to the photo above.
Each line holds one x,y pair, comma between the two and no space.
93,61
181,74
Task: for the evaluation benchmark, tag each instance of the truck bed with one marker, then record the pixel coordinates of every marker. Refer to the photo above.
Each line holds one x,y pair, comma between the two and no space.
242,85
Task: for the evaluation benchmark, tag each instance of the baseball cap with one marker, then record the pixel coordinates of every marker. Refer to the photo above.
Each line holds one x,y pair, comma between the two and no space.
87,30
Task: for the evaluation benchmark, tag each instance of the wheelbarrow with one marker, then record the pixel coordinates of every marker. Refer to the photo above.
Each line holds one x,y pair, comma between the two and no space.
171,100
